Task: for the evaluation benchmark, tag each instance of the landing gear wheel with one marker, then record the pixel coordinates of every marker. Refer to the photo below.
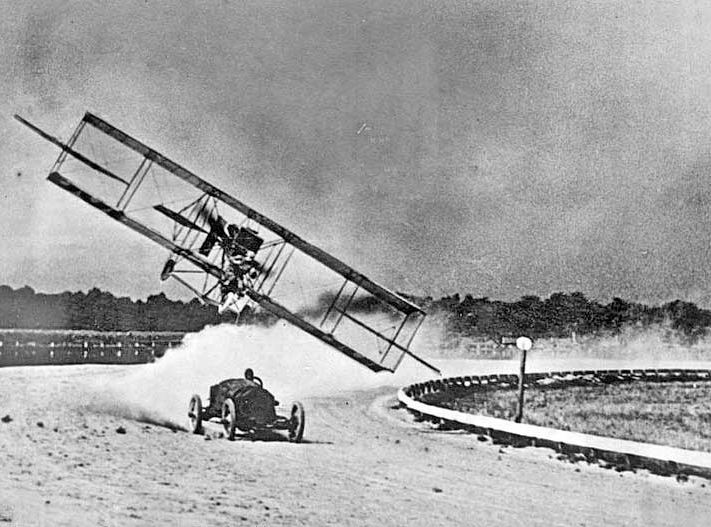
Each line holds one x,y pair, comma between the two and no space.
167,269
195,414
297,422
229,418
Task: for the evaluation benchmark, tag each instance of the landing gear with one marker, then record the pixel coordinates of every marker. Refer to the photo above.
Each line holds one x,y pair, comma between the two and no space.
167,269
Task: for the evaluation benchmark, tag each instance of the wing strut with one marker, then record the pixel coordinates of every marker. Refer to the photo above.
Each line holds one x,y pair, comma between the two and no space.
69,150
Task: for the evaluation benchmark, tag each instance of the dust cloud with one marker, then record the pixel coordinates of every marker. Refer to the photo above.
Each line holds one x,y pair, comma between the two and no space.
292,364
296,366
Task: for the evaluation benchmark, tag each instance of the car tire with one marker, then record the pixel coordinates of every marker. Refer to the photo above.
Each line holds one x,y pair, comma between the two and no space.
229,418
297,423
195,414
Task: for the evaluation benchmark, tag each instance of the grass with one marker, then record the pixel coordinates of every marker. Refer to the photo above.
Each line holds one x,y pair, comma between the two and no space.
670,413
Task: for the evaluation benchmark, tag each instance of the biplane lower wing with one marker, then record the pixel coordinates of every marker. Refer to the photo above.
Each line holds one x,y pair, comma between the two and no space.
284,313
304,325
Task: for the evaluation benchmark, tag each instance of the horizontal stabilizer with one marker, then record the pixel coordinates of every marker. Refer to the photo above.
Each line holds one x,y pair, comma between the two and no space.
177,218
61,181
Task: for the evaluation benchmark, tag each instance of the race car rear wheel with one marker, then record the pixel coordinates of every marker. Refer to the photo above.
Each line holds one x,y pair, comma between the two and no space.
229,418
195,414
297,422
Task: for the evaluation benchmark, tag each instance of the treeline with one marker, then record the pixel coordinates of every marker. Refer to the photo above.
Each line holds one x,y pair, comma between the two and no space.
561,315
101,311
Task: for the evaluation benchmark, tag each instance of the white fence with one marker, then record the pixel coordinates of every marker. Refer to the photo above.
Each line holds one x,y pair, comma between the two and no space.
627,454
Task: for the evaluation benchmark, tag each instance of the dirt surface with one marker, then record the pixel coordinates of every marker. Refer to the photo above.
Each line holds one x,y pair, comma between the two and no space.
65,462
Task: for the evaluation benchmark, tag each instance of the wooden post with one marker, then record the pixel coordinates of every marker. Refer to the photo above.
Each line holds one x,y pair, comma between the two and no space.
521,379
524,344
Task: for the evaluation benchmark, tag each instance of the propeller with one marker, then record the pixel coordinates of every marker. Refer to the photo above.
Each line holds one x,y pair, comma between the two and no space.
218,228
216,222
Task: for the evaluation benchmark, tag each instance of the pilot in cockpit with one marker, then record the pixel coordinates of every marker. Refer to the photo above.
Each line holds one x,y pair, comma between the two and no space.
239,276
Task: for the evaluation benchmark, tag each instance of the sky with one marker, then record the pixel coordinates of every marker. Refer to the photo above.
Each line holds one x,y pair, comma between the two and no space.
489,148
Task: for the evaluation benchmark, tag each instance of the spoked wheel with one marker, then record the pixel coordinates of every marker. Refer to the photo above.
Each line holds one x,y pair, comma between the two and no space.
229,418
195,414
297,422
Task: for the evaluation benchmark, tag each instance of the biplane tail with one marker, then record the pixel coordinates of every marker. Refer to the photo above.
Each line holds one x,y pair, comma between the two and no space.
202,226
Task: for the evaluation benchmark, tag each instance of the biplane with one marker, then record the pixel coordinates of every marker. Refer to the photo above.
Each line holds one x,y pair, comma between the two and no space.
228,254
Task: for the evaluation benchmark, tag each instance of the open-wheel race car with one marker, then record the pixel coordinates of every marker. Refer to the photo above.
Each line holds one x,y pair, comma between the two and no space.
246,405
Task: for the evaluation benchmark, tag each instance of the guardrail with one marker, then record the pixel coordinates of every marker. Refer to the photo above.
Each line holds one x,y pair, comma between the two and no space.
622,453
16,353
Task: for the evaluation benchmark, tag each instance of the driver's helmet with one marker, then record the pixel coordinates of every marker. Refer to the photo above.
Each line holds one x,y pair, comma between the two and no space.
249,374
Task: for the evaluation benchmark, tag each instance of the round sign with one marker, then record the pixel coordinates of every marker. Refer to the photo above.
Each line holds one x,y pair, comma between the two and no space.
524,343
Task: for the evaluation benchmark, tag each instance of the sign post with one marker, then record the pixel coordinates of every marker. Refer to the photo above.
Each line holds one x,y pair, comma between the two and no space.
524,344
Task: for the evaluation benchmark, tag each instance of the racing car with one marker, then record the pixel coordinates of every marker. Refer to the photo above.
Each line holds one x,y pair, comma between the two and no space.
246,405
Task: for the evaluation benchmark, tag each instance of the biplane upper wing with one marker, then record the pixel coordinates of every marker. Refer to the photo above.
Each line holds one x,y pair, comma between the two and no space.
379,339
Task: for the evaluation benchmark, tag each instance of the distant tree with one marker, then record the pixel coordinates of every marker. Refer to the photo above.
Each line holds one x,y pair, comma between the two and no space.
688,319
558,315
101,311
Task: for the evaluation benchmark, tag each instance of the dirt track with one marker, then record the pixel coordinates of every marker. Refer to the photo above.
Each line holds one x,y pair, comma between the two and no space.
365,463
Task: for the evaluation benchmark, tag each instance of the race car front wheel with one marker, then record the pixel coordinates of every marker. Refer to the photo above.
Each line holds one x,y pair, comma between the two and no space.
229,418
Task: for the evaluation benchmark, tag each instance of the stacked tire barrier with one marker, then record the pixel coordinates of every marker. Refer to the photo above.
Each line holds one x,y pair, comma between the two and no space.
90,351
622,454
